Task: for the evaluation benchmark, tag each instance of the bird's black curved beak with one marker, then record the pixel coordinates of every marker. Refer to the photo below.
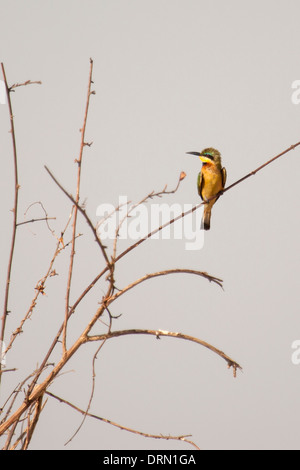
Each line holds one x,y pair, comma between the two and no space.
194,153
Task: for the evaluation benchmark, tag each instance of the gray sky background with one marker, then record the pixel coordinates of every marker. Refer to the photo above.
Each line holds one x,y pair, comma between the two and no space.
170,76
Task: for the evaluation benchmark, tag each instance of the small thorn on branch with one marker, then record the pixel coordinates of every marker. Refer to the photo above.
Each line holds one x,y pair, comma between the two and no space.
18,331
61,240
40,288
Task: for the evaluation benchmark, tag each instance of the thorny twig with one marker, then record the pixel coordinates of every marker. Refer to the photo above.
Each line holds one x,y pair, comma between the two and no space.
79,162
125,428
16,198
144,200
28,82
15,209
40,288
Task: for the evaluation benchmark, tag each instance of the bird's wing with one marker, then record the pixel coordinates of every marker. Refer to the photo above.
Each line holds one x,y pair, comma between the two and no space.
200,183
224,176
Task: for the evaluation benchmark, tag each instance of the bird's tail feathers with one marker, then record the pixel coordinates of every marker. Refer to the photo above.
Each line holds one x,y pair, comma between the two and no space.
205,223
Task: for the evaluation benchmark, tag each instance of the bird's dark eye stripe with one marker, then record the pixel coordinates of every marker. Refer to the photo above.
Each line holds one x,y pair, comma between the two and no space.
208,156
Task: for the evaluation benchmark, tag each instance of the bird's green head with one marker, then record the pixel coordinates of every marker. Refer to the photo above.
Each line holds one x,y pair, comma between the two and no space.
209,155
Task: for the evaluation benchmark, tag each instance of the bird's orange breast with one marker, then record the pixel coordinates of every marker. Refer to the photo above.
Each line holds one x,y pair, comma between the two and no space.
212,181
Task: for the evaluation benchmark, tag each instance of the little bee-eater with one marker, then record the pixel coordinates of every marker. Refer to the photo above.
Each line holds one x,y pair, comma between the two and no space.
211,180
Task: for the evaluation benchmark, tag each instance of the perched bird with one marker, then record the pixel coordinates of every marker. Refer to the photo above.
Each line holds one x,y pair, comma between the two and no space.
211,180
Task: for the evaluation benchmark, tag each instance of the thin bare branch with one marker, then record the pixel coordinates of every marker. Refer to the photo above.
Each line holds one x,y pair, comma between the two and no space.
46,217
165,273
40,289
28,82
36,220
79,162
8,370
151,195
182,438
159,333
252,173
83,212
15,210
172,191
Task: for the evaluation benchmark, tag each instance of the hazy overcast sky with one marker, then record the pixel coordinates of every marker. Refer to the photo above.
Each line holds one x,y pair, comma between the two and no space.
170,76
